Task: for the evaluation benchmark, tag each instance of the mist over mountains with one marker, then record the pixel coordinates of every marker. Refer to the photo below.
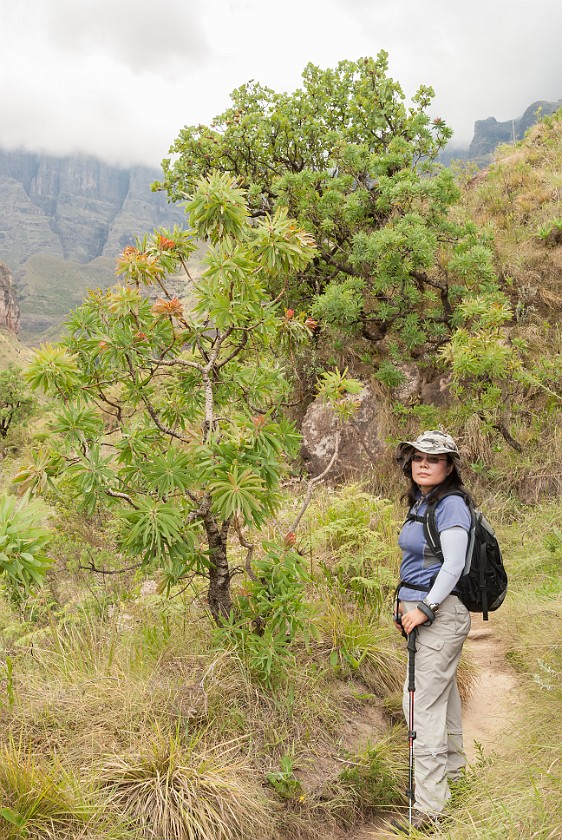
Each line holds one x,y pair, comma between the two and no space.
491,133
76,208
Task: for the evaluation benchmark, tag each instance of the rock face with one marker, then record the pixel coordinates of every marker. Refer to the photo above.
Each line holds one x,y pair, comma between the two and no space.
363,446
9,309
77,208
362,441
490,133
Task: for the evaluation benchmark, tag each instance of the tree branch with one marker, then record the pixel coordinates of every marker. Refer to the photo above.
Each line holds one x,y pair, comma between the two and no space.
249,546
91,567
115,494
314,481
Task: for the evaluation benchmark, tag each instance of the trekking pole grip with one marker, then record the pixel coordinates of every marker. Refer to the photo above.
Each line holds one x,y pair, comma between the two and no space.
411,659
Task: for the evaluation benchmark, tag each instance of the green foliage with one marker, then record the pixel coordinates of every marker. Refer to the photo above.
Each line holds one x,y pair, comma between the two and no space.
53,369
23,542
361,643
272,613
337,390
390,375
284,781
375,776
551,232
156,530
356,168
39,801
171,418
353,535
15,403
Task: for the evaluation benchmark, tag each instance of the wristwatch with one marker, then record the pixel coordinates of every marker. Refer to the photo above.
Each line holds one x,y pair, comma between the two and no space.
428,609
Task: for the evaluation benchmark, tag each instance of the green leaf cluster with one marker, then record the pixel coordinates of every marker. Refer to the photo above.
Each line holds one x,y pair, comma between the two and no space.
16,404
272,613
23,541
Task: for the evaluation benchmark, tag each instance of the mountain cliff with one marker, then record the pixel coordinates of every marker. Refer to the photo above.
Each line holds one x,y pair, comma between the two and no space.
76,208
62,223
9,309
489,133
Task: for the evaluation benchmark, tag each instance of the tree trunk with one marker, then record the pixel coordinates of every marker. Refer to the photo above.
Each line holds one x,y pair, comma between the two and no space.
220,601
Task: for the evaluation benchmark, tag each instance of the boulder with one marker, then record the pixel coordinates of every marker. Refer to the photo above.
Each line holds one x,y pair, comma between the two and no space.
362,440
363,443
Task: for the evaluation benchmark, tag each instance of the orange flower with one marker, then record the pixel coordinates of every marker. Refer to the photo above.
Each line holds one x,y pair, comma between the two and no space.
312,324
172,307
289,314
258,421
166,244
289,539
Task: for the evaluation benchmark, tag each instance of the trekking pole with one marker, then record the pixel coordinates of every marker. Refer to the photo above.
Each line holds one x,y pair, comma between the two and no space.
411,730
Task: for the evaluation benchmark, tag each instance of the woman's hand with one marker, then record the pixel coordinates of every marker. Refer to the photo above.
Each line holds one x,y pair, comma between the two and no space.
412,619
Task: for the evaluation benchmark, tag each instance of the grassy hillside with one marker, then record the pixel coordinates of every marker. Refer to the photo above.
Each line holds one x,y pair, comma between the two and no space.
520,199
12,351
50,287
125,706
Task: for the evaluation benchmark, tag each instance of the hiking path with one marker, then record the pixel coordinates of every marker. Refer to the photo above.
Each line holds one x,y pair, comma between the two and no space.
491,709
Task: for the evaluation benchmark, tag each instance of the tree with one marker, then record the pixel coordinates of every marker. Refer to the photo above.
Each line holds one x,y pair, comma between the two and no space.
15,403
357,169
170,414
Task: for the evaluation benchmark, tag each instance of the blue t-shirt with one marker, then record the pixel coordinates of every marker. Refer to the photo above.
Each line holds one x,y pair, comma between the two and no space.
419,564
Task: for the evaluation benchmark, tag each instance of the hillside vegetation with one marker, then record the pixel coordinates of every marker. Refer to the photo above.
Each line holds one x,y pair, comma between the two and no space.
136,704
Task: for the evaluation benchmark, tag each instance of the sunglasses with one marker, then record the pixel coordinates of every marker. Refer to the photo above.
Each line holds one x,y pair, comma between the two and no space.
430,459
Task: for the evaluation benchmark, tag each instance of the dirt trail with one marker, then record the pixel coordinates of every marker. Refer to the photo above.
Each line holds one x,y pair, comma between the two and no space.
491,709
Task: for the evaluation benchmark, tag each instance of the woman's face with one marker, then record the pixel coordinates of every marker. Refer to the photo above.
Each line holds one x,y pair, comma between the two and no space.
429,470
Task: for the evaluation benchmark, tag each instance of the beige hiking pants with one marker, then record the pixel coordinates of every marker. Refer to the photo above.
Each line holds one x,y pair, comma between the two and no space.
438,747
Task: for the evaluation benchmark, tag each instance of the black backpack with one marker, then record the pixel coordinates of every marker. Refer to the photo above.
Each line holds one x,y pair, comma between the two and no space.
483,585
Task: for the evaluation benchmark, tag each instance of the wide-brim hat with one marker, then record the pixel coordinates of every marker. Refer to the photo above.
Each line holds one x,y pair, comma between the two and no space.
433,443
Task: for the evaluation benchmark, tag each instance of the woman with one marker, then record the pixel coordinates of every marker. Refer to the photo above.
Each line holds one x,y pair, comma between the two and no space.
428,606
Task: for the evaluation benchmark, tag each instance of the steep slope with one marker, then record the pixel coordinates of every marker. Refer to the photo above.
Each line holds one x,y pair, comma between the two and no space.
519,199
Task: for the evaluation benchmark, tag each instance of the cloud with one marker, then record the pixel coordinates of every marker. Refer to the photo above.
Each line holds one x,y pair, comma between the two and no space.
144,37
489,57
119,78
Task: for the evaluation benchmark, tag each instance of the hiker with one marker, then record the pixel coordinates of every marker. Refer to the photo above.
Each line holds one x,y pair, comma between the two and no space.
428,607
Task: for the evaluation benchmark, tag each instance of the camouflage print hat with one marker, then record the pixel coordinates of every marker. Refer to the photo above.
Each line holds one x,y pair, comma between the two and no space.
433,442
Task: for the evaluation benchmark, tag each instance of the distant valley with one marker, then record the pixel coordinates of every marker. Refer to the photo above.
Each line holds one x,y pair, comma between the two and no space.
62,223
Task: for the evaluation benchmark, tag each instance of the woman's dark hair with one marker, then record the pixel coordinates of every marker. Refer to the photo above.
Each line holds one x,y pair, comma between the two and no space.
452,482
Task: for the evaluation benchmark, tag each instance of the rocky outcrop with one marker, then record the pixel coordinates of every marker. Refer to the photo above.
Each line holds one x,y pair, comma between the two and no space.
77,208
490,133
361,444
141,211
9,309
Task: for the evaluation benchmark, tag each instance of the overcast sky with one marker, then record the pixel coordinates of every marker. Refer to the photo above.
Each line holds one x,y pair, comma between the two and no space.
119,78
